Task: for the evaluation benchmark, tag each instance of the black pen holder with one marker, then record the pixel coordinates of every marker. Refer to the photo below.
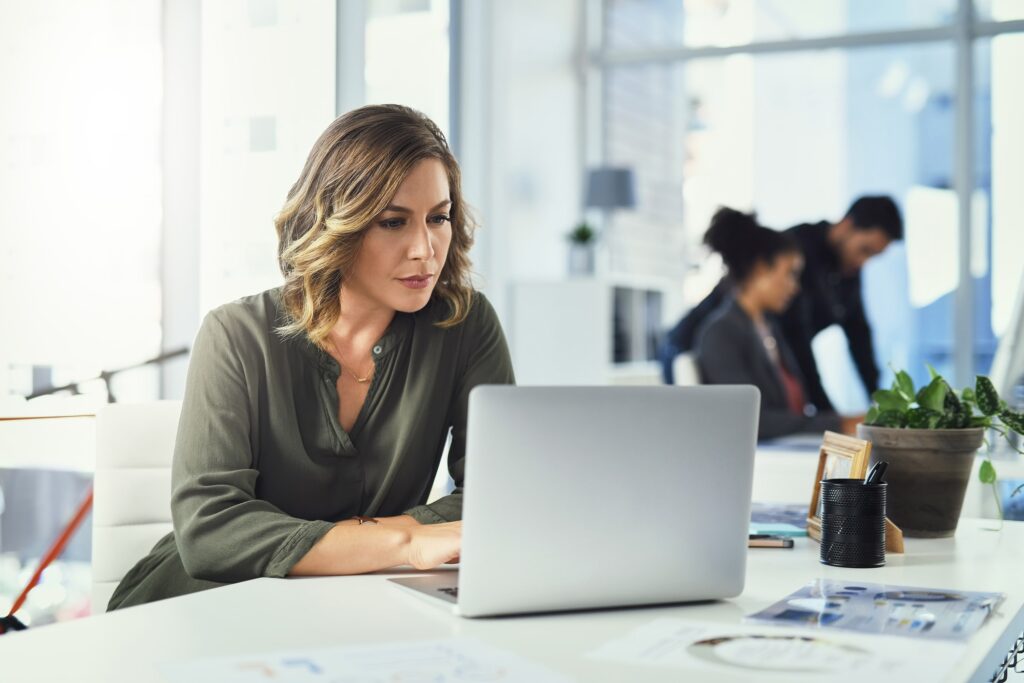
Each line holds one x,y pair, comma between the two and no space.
852,523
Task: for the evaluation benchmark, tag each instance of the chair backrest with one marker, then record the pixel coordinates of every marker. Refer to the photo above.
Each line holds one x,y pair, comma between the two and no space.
684,370
132,486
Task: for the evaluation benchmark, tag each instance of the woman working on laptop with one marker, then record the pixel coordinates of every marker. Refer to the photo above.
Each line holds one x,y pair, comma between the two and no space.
741,343
316,413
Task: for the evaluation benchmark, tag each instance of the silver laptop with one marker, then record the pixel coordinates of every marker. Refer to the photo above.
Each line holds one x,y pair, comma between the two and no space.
588,497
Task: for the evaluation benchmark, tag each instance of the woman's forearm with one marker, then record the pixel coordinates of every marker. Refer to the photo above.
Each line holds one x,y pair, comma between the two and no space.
353,548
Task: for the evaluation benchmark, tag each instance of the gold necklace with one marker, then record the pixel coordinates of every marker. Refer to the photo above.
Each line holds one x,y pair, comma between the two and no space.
345,366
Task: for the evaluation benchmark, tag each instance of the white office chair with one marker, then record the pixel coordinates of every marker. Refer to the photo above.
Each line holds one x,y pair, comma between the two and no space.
684,370
132,489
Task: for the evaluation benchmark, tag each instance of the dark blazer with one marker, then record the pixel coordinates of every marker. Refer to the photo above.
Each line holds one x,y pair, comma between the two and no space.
827,297
730,351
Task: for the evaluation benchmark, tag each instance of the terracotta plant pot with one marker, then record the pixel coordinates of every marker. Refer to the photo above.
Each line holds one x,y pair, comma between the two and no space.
928,473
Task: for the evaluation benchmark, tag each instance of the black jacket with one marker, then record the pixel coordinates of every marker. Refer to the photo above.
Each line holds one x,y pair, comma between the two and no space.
826,298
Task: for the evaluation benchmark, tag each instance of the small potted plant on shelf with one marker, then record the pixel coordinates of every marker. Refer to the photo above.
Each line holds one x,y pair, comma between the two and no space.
930,438
582,240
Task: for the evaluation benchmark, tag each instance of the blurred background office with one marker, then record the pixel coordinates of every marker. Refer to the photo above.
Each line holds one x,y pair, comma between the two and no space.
146,145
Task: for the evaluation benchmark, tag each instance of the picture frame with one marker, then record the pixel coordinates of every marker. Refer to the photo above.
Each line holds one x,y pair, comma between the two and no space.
847,457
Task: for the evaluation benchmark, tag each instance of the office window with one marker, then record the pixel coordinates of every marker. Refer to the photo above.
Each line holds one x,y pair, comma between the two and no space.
407,51
999,10
998,236
268,91
80,192
80,212
643,24
796,137
872,108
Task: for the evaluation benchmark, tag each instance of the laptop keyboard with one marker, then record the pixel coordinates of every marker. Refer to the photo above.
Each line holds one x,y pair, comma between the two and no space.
454,592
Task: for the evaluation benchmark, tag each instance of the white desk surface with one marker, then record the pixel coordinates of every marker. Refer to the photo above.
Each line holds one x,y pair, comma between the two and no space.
64,441
273,614
67,444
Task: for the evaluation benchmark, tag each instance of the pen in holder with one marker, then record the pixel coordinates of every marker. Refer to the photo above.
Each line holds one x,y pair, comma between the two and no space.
853,521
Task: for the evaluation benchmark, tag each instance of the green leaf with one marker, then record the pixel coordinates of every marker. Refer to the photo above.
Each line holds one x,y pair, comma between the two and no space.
872,415
922,418
963,417
980,421
956,414
988,398
932,372
890,400
1013,420
582,234
891,418
952,400
904,386
967,396
933,396
987,473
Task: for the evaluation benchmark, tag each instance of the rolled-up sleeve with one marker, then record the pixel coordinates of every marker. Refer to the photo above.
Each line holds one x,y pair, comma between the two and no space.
485,359
223,531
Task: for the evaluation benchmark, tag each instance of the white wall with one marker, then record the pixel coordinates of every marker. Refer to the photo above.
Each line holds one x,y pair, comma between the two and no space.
250,85
80,191
1007,176
181,183
520,147
268,91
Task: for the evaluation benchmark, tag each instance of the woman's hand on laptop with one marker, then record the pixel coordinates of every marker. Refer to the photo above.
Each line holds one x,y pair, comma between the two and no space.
431,545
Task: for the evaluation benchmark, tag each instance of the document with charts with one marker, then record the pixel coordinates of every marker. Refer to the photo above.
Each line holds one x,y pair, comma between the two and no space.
882,609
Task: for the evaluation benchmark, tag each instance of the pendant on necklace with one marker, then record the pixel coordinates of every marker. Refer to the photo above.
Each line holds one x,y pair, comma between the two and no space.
357,378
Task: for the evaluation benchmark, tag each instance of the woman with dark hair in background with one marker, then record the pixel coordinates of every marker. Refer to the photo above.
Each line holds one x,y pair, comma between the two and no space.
741,343
830,293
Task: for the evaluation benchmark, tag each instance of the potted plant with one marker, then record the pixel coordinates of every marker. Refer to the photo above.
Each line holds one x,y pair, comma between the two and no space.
582,239
930,437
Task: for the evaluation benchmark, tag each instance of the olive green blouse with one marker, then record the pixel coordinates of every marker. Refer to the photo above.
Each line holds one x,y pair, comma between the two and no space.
262,467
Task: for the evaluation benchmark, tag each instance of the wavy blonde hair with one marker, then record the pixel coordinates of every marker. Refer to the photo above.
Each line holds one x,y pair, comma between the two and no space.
353,171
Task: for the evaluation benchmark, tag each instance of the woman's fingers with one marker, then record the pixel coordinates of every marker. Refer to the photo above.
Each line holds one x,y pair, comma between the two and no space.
432,545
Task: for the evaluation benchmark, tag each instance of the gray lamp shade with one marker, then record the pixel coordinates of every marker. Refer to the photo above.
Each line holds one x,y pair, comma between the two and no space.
610,188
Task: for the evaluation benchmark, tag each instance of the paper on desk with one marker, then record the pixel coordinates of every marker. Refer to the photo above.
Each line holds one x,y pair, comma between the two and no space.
911,611
437,661
793,442
774,654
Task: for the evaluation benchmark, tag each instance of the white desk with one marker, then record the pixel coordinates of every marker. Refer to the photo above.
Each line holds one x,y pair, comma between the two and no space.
268,614
62,444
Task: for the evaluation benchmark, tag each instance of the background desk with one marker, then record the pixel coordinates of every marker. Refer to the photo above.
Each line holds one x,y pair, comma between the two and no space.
784,473
274,614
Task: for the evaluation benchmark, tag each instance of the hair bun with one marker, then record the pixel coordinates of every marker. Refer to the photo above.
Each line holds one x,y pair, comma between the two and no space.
743,242
729,232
